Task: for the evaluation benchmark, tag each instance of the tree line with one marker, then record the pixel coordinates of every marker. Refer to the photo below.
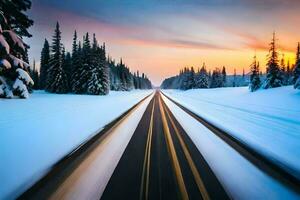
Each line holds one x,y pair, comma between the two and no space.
86,70
202,78
278,73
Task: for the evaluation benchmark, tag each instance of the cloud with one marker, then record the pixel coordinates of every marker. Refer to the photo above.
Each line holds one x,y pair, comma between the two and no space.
173,43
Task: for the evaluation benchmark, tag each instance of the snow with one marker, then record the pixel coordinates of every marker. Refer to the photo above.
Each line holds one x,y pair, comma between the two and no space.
267,120
239,177
37,132
14,38
20,86
23,75
5,63
4,88
18,62
4,44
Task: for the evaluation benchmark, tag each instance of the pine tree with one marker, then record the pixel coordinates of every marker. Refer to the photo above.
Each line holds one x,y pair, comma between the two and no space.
67,67
191,79
255,82
14,76
35,76
216,79
296,72
289,73
234,84
82,72
202,78
224,76
283,71
57,78
44,64
77,81
274,77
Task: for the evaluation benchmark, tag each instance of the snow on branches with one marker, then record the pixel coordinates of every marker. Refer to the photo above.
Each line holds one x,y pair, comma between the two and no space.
14,79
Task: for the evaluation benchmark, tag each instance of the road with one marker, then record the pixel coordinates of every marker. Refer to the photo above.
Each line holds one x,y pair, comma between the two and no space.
161,162
154,159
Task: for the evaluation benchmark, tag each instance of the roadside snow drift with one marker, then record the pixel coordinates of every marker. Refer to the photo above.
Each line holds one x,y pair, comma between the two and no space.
268,120
37,132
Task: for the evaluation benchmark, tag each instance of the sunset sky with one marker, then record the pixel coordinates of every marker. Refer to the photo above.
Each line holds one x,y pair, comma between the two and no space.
159,37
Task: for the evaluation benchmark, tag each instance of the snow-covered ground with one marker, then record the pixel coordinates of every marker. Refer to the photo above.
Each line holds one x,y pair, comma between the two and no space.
37,132
268,120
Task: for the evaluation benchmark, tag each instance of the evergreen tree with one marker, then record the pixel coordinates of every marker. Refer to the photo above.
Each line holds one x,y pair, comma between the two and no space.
283,71
84,68
76,79
224,76
202,78
14,76
274,77
35,76
67,67
289,73
296,72
234,84
191,79
255,82
56,79
44,64
216,79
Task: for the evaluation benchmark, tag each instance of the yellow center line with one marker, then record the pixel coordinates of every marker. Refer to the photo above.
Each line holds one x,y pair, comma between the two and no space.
147,157
191,163
172,151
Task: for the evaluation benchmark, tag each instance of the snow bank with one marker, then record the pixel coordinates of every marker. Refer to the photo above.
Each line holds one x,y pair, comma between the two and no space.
268,120
37,132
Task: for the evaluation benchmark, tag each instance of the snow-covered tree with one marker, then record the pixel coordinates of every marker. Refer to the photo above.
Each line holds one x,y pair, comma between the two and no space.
274,76
57,81
296,73
104,69
216,79
14,78
34,74
234,82
289,73
202,78
224,76
44,64
95,82
255,82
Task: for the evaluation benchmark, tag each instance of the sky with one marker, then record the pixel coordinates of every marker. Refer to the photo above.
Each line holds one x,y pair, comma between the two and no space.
159,37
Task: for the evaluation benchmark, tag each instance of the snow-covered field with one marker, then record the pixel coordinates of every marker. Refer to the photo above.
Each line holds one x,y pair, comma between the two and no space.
36,133
268,120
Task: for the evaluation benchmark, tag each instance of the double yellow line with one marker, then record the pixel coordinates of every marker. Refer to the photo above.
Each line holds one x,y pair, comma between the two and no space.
147,157
174,158
172,151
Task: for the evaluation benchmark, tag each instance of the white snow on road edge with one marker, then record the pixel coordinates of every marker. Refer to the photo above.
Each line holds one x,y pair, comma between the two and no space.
38,132
240,178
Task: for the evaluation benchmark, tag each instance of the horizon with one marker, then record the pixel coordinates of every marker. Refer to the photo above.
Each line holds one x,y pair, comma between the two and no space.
160,39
